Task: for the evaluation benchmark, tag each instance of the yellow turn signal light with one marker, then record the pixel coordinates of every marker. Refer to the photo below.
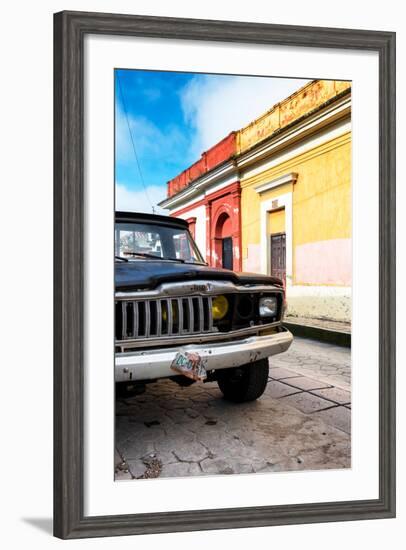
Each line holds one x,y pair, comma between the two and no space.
219,307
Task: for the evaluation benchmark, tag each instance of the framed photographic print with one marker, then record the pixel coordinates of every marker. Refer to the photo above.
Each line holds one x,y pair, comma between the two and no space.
224,275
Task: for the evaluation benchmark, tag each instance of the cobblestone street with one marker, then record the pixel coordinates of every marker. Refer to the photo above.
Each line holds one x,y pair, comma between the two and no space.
302,422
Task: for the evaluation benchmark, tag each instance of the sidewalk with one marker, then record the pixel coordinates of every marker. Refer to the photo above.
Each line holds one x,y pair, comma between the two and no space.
324,330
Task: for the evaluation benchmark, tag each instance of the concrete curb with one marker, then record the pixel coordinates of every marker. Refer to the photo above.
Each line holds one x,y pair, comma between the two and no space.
321,334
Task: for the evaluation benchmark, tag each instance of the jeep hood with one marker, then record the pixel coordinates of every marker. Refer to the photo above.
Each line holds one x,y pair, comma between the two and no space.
148,274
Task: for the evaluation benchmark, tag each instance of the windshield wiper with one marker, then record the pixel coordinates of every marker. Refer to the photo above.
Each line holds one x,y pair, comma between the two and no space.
146,255
121,258
143,254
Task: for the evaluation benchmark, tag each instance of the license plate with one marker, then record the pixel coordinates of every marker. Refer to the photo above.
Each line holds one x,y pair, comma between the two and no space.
189,364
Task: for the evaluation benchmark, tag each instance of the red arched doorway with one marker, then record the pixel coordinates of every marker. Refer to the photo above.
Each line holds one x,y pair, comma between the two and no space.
224,241
223,227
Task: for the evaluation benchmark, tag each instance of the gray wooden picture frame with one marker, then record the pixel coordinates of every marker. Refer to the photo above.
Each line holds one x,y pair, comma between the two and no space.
69,31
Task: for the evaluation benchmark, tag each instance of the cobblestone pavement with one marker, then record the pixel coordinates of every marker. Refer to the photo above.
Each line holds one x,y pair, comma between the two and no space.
302,422
325,362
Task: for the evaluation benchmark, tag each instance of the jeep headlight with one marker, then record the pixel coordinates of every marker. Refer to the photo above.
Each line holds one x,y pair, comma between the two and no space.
219,307
268,306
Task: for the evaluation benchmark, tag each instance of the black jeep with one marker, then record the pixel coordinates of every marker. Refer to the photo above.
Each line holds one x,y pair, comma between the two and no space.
178,318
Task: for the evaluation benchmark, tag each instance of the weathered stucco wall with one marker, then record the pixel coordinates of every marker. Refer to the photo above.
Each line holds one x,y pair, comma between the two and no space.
276,221
299,104
324,302
324,262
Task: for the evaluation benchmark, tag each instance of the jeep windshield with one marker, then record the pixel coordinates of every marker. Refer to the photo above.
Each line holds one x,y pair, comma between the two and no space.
148,241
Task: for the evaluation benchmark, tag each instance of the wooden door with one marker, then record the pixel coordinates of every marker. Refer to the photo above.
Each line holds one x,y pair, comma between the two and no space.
278,256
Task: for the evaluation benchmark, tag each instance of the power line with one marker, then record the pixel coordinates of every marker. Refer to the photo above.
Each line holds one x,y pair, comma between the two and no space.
133,143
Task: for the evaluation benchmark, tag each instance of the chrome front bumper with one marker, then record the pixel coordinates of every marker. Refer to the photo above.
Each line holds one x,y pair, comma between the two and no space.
150,364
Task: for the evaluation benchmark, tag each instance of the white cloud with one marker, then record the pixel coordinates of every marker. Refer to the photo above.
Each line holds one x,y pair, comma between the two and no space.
215,106
128,200
147,136
150,140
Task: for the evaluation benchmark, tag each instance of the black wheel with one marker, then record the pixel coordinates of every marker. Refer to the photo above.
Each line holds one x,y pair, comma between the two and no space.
125,390
245,383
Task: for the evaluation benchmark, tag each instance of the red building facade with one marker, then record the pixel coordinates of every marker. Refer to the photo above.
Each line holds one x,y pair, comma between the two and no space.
211,158
207,195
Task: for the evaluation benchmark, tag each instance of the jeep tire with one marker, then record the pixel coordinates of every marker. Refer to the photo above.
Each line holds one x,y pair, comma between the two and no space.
126,390
244,383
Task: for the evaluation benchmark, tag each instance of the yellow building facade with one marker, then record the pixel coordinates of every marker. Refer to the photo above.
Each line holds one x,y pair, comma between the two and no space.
295,175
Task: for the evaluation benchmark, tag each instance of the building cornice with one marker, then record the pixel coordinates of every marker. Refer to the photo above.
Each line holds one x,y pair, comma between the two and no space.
202,184
291,177
321,118
232,188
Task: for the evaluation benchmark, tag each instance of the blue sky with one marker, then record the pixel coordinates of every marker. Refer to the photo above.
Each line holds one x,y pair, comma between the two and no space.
173,118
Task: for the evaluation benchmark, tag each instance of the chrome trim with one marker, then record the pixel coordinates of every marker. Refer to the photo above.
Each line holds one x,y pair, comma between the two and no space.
180,314
136,315
147,318
195,337
210,301
124,333
191,314
195,288
201,313
183,316
159,316
170,316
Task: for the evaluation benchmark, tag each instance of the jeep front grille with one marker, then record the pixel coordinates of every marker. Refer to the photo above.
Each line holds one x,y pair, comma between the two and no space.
140,319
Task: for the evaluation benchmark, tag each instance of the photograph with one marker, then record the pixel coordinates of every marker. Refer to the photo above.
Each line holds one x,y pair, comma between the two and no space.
224,274
233,274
